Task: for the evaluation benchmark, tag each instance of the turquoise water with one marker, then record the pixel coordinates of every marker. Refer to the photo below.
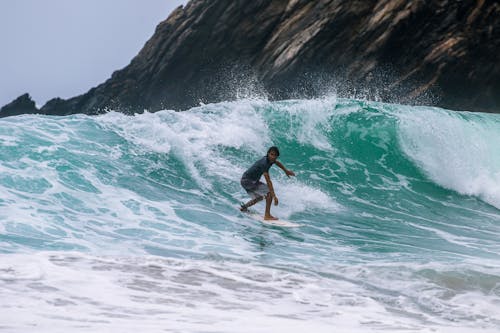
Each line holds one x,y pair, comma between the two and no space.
132,221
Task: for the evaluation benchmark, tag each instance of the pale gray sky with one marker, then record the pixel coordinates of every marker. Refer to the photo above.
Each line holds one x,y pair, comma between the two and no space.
62,48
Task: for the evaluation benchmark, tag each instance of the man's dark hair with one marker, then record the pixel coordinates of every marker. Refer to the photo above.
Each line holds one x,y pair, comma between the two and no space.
275,149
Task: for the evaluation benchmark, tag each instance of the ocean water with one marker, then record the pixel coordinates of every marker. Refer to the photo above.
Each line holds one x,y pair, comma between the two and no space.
118,223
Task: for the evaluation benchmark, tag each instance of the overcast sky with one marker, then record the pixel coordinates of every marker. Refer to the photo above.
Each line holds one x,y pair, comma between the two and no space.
62,48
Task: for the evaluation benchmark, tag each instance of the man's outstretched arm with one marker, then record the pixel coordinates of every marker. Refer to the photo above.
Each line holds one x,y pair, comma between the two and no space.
282,167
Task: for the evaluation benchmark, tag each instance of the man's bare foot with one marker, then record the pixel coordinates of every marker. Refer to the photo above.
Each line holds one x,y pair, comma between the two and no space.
270,218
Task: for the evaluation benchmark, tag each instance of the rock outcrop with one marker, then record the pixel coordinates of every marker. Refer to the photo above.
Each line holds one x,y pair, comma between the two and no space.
437,52
24,104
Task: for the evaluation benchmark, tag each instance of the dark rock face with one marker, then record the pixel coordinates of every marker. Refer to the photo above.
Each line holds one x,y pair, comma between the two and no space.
438,52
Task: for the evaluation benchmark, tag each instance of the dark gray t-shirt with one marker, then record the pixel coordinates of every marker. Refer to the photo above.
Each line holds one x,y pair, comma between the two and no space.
257,169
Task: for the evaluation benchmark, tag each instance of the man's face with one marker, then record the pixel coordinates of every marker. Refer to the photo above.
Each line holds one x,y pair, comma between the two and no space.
272,156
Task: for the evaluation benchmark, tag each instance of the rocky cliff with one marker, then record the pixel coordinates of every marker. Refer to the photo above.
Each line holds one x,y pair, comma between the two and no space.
437,52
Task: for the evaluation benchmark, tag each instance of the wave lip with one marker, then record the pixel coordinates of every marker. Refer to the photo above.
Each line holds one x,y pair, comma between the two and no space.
457,150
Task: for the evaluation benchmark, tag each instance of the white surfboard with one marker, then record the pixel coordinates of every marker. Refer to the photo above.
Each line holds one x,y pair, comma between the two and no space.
278,223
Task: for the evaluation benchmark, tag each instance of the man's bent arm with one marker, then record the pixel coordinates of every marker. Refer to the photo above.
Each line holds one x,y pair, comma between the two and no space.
269,183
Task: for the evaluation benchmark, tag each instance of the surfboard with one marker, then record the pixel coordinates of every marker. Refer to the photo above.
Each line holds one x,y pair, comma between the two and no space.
277,223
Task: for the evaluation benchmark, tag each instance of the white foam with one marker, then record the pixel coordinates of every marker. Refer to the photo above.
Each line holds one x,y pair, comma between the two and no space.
77,293
296,197
197,136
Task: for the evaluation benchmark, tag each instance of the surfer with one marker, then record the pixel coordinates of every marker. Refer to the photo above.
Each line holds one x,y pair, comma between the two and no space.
257,189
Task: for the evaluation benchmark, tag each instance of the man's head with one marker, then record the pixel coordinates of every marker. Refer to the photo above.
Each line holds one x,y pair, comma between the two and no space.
273,153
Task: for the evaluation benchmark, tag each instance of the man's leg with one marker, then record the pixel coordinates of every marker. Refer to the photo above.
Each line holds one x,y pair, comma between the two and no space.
267,214
252,202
